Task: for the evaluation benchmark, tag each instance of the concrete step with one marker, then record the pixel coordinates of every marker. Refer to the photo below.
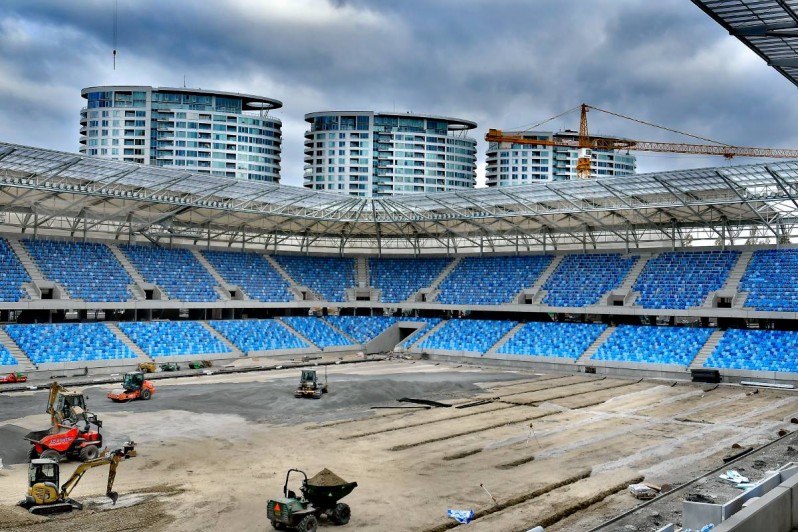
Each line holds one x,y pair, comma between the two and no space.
345,335
125,339
739,300
236,351
25,364
503,340
223,287
127,265
297,334
432,290
362,279
738,271
26,260
294,286
590,351
426,335
550,269
706,350
634,273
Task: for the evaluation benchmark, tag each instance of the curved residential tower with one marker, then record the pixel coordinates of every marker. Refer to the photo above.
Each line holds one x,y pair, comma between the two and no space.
211,132
364,153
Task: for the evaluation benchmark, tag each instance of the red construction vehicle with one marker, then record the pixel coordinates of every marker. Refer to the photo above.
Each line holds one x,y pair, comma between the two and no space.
81,441
14,377
133,387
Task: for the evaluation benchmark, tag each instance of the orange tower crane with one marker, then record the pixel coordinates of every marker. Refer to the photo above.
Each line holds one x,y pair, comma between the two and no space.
586,144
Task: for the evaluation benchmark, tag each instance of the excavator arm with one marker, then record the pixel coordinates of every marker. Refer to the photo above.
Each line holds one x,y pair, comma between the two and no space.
111,459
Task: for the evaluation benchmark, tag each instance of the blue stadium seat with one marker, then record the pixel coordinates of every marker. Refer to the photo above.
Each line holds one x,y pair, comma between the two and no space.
327,276
362,328
258,335
771,280
68,342
654,345
12,275
87,270
317,331
564,340
252,272
581,280
176,271
468,335
756,350
398,279
491,280
169,338
683,279
6,358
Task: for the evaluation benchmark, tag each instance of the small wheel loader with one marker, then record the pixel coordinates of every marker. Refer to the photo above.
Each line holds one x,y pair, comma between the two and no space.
309,385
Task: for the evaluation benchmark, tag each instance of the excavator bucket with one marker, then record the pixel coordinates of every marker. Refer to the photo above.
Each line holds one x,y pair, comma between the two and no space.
112,495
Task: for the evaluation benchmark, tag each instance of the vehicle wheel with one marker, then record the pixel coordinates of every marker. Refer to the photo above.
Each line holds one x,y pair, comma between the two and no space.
51,454
277,526
340,514
90,452
308,524
145,394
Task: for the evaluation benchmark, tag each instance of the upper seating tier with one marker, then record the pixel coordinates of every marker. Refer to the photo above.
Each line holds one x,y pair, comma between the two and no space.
87,270
176,271
253,273
581,280
683,279
491,280
327,276
398,279
12,274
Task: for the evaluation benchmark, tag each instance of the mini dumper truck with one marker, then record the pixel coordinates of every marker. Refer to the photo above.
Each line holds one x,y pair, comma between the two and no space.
310,386
320,496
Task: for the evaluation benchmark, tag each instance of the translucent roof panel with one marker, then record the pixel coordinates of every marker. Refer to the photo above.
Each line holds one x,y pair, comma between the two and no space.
768,27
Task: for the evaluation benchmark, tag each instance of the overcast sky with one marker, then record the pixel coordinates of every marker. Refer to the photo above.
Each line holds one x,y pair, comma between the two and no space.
506,64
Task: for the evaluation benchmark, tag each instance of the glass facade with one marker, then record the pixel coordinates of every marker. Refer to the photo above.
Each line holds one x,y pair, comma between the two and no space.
372,154
509,164
201,132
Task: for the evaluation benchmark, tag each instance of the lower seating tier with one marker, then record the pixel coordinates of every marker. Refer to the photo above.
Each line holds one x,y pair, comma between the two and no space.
653,345
317,331
68,342
756,350
564,340
362,328
258,335
169,338
468,335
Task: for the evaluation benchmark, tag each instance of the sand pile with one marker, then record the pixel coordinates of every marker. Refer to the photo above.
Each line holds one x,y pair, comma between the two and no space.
13,447
325,477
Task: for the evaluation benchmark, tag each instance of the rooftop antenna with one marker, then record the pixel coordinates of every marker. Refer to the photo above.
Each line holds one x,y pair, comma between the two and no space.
115,18
184,81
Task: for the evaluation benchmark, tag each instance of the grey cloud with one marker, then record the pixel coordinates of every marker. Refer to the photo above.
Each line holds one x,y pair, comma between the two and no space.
502,63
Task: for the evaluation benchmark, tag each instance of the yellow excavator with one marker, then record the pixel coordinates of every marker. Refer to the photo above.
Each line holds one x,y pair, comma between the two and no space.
44,495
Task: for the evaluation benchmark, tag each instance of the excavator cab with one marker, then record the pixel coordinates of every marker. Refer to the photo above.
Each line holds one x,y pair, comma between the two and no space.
44,472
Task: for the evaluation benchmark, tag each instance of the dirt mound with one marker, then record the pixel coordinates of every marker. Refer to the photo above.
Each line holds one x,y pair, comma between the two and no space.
12,516
325,477
13,447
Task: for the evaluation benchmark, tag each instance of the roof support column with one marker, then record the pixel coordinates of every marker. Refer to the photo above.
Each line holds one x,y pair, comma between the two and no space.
35,225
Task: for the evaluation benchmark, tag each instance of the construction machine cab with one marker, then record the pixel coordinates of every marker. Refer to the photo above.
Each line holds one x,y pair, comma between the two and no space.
133,381
43,471
308,377
68,405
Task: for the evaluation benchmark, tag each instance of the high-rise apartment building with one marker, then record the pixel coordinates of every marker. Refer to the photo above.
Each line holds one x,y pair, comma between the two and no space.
509,164
211,132
365,153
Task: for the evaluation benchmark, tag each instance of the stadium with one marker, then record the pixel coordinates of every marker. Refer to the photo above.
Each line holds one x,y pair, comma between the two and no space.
588,335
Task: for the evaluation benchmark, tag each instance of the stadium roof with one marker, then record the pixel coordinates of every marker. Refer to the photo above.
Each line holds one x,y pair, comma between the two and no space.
768,27
57,193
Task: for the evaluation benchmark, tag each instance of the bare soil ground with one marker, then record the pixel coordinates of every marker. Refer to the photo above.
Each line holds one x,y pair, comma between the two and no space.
555,450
